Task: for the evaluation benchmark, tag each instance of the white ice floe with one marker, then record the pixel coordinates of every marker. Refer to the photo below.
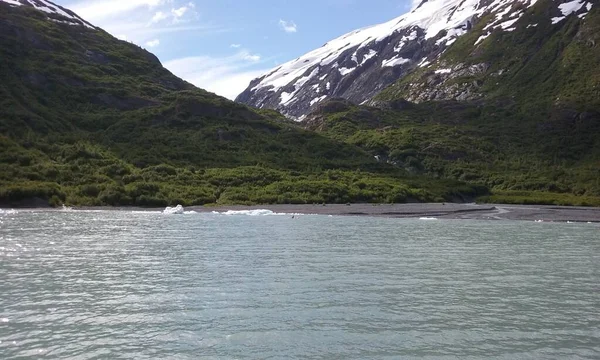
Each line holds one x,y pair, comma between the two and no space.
255,212
8,212
177,210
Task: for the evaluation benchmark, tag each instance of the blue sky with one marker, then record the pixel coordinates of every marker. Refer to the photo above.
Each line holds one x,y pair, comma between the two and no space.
221,45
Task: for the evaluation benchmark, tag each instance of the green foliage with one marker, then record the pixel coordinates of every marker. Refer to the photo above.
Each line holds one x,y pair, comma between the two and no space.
87,119
532,137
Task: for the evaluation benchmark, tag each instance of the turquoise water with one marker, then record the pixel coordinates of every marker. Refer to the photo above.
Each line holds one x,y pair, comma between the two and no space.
121,284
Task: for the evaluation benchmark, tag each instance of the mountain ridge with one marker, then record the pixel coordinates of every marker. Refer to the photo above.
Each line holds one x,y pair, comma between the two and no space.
359,65
54,11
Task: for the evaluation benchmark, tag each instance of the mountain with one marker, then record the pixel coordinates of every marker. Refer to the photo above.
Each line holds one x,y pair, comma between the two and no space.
517,111
87,119
359,65
54,12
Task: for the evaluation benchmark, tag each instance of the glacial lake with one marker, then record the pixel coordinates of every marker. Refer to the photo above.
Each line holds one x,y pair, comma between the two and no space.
144,285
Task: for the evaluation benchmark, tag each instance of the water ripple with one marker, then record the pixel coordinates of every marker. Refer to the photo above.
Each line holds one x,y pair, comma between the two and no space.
117,284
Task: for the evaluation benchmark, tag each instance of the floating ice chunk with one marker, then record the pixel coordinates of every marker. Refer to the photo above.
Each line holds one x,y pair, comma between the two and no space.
255,212
8,212
177,210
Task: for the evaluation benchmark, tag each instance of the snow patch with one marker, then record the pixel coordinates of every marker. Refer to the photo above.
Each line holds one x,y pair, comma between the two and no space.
433,16
287,98
317,100
482,37
571,7
345,71
50,8
394,62
423,62
443,71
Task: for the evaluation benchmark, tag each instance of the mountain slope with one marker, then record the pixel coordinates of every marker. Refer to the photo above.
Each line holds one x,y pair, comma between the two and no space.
517,111
360,64
89,119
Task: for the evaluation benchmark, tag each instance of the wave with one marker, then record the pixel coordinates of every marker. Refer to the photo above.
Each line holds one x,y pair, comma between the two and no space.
8,212
428,218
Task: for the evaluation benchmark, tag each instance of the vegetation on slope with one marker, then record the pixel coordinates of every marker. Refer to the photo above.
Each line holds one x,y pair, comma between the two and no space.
530,129
86,119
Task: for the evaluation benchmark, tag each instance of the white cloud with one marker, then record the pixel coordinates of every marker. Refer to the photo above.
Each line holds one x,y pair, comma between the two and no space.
288,26
251,57
153,43
227,76
177,13
235,46
96,10
141,21
158,17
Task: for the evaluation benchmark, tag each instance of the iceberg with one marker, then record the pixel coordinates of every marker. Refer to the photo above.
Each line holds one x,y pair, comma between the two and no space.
177,210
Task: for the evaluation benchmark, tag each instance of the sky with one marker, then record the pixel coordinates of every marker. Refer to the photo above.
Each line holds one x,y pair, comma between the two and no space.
221,45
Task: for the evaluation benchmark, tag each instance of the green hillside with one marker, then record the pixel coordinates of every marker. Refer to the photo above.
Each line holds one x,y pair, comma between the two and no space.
86,119
529,128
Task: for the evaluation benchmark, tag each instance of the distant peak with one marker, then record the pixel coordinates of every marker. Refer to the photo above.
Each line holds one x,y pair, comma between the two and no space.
55,12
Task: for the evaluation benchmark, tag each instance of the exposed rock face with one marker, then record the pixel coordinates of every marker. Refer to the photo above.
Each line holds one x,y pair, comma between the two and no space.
359,65
445,84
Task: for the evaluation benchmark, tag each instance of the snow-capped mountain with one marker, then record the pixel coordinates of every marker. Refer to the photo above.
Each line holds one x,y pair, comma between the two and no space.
55,12
358,65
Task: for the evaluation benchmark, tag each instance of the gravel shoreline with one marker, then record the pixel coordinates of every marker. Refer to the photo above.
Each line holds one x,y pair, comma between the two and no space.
545,213
440,211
